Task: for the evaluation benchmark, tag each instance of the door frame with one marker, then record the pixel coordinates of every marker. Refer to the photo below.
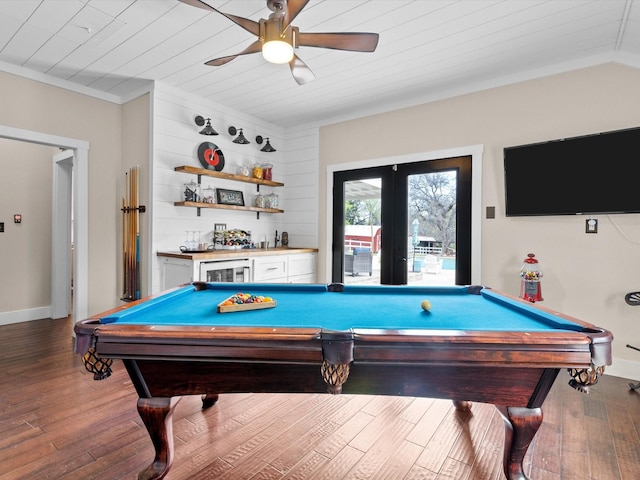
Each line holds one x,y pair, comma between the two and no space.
80,149
474,151
61,225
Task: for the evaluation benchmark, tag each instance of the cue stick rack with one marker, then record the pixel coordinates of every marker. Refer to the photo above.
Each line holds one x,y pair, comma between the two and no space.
131,210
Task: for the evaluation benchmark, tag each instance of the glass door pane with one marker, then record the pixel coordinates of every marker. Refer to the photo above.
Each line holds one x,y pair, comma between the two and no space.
431,236
362,230
374,213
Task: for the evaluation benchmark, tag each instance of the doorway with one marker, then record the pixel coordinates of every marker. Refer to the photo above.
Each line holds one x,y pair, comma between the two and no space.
399,224
80,173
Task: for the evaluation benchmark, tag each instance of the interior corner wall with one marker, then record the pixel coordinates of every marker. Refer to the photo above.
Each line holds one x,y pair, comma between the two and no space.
136,143
585,276
30,105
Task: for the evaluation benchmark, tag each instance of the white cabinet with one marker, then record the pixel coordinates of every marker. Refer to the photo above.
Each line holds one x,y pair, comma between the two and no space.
270,269
302,268
176,272
280,267
295,268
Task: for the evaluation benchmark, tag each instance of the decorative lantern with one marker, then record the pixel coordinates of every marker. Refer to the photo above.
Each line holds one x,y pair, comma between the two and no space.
530,274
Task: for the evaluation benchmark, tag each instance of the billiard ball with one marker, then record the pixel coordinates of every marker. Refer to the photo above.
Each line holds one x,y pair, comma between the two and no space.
426,305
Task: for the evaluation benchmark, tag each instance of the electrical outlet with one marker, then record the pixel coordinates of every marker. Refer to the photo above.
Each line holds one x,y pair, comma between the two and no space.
591,225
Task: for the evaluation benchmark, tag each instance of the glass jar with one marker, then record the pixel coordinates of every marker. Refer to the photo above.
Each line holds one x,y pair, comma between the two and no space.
191,192
274,201
257,171
243,170
266,171
259,201
208,195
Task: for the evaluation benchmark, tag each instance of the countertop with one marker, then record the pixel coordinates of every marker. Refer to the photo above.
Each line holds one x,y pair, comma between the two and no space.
229,254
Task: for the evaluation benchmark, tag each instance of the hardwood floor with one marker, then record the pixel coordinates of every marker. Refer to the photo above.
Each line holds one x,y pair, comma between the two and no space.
56,422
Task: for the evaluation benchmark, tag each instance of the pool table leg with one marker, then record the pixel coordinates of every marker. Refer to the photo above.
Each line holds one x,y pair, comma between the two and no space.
209,400
156,414
521,425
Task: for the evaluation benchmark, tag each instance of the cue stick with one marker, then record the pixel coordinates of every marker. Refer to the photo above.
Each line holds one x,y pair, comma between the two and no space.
132,258
137,225
124,258
125,237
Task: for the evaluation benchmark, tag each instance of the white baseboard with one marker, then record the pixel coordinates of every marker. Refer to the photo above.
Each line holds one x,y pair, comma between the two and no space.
27,315
624,369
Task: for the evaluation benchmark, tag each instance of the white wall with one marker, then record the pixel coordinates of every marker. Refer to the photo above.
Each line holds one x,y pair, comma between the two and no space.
585,276
175,143
301,177
25,248
34,106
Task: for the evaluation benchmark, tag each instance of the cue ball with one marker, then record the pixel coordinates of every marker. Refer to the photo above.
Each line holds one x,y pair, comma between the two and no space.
426,305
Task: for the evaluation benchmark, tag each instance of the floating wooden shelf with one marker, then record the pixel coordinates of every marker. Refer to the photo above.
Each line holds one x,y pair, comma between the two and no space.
227,176
227,207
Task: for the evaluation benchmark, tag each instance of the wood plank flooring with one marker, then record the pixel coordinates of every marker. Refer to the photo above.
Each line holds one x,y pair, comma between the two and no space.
56,422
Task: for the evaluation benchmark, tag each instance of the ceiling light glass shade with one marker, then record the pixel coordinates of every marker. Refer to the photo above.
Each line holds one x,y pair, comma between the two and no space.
267,147
241,139
208,129
277,51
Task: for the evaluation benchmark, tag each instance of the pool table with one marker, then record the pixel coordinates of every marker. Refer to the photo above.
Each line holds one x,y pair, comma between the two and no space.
473,345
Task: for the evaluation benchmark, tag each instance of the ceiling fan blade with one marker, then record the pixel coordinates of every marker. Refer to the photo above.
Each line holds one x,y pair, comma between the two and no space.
294,7
300,71
249,25
353,41
255,47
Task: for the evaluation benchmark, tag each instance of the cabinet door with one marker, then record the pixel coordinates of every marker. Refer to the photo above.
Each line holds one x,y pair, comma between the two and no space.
302,268
270,269
176,272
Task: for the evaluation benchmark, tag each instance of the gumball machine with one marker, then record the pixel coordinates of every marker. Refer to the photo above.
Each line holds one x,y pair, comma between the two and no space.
530,274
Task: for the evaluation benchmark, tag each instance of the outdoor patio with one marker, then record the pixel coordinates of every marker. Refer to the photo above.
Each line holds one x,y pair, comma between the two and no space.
445,276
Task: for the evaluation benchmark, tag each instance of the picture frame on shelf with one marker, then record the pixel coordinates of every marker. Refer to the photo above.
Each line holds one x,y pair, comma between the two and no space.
230,197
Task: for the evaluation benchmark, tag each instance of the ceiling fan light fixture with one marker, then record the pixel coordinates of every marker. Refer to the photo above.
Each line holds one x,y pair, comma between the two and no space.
277,46
277,51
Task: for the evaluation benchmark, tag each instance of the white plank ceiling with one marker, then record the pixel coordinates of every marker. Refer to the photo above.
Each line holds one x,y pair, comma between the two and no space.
428,49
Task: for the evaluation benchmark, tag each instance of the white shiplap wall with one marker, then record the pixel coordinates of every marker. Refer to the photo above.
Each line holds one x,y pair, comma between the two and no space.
301,186
175,143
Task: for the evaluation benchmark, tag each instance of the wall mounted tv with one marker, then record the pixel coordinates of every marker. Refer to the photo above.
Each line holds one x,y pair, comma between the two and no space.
580,175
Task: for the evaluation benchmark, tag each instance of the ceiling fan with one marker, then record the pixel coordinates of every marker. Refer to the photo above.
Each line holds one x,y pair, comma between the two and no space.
277,38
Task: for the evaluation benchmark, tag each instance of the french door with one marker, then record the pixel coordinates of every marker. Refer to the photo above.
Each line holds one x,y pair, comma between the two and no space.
398,224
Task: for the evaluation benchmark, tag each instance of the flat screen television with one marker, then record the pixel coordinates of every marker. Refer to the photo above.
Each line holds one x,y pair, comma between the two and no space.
580,175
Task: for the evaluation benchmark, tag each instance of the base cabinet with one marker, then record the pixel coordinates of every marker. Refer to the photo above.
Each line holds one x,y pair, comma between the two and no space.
270,269
278,268
302,268
176,272
297,268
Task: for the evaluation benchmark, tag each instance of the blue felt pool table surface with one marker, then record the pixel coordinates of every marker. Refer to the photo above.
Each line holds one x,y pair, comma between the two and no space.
357,307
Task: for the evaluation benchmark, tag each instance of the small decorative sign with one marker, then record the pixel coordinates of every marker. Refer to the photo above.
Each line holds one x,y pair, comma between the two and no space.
230,197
